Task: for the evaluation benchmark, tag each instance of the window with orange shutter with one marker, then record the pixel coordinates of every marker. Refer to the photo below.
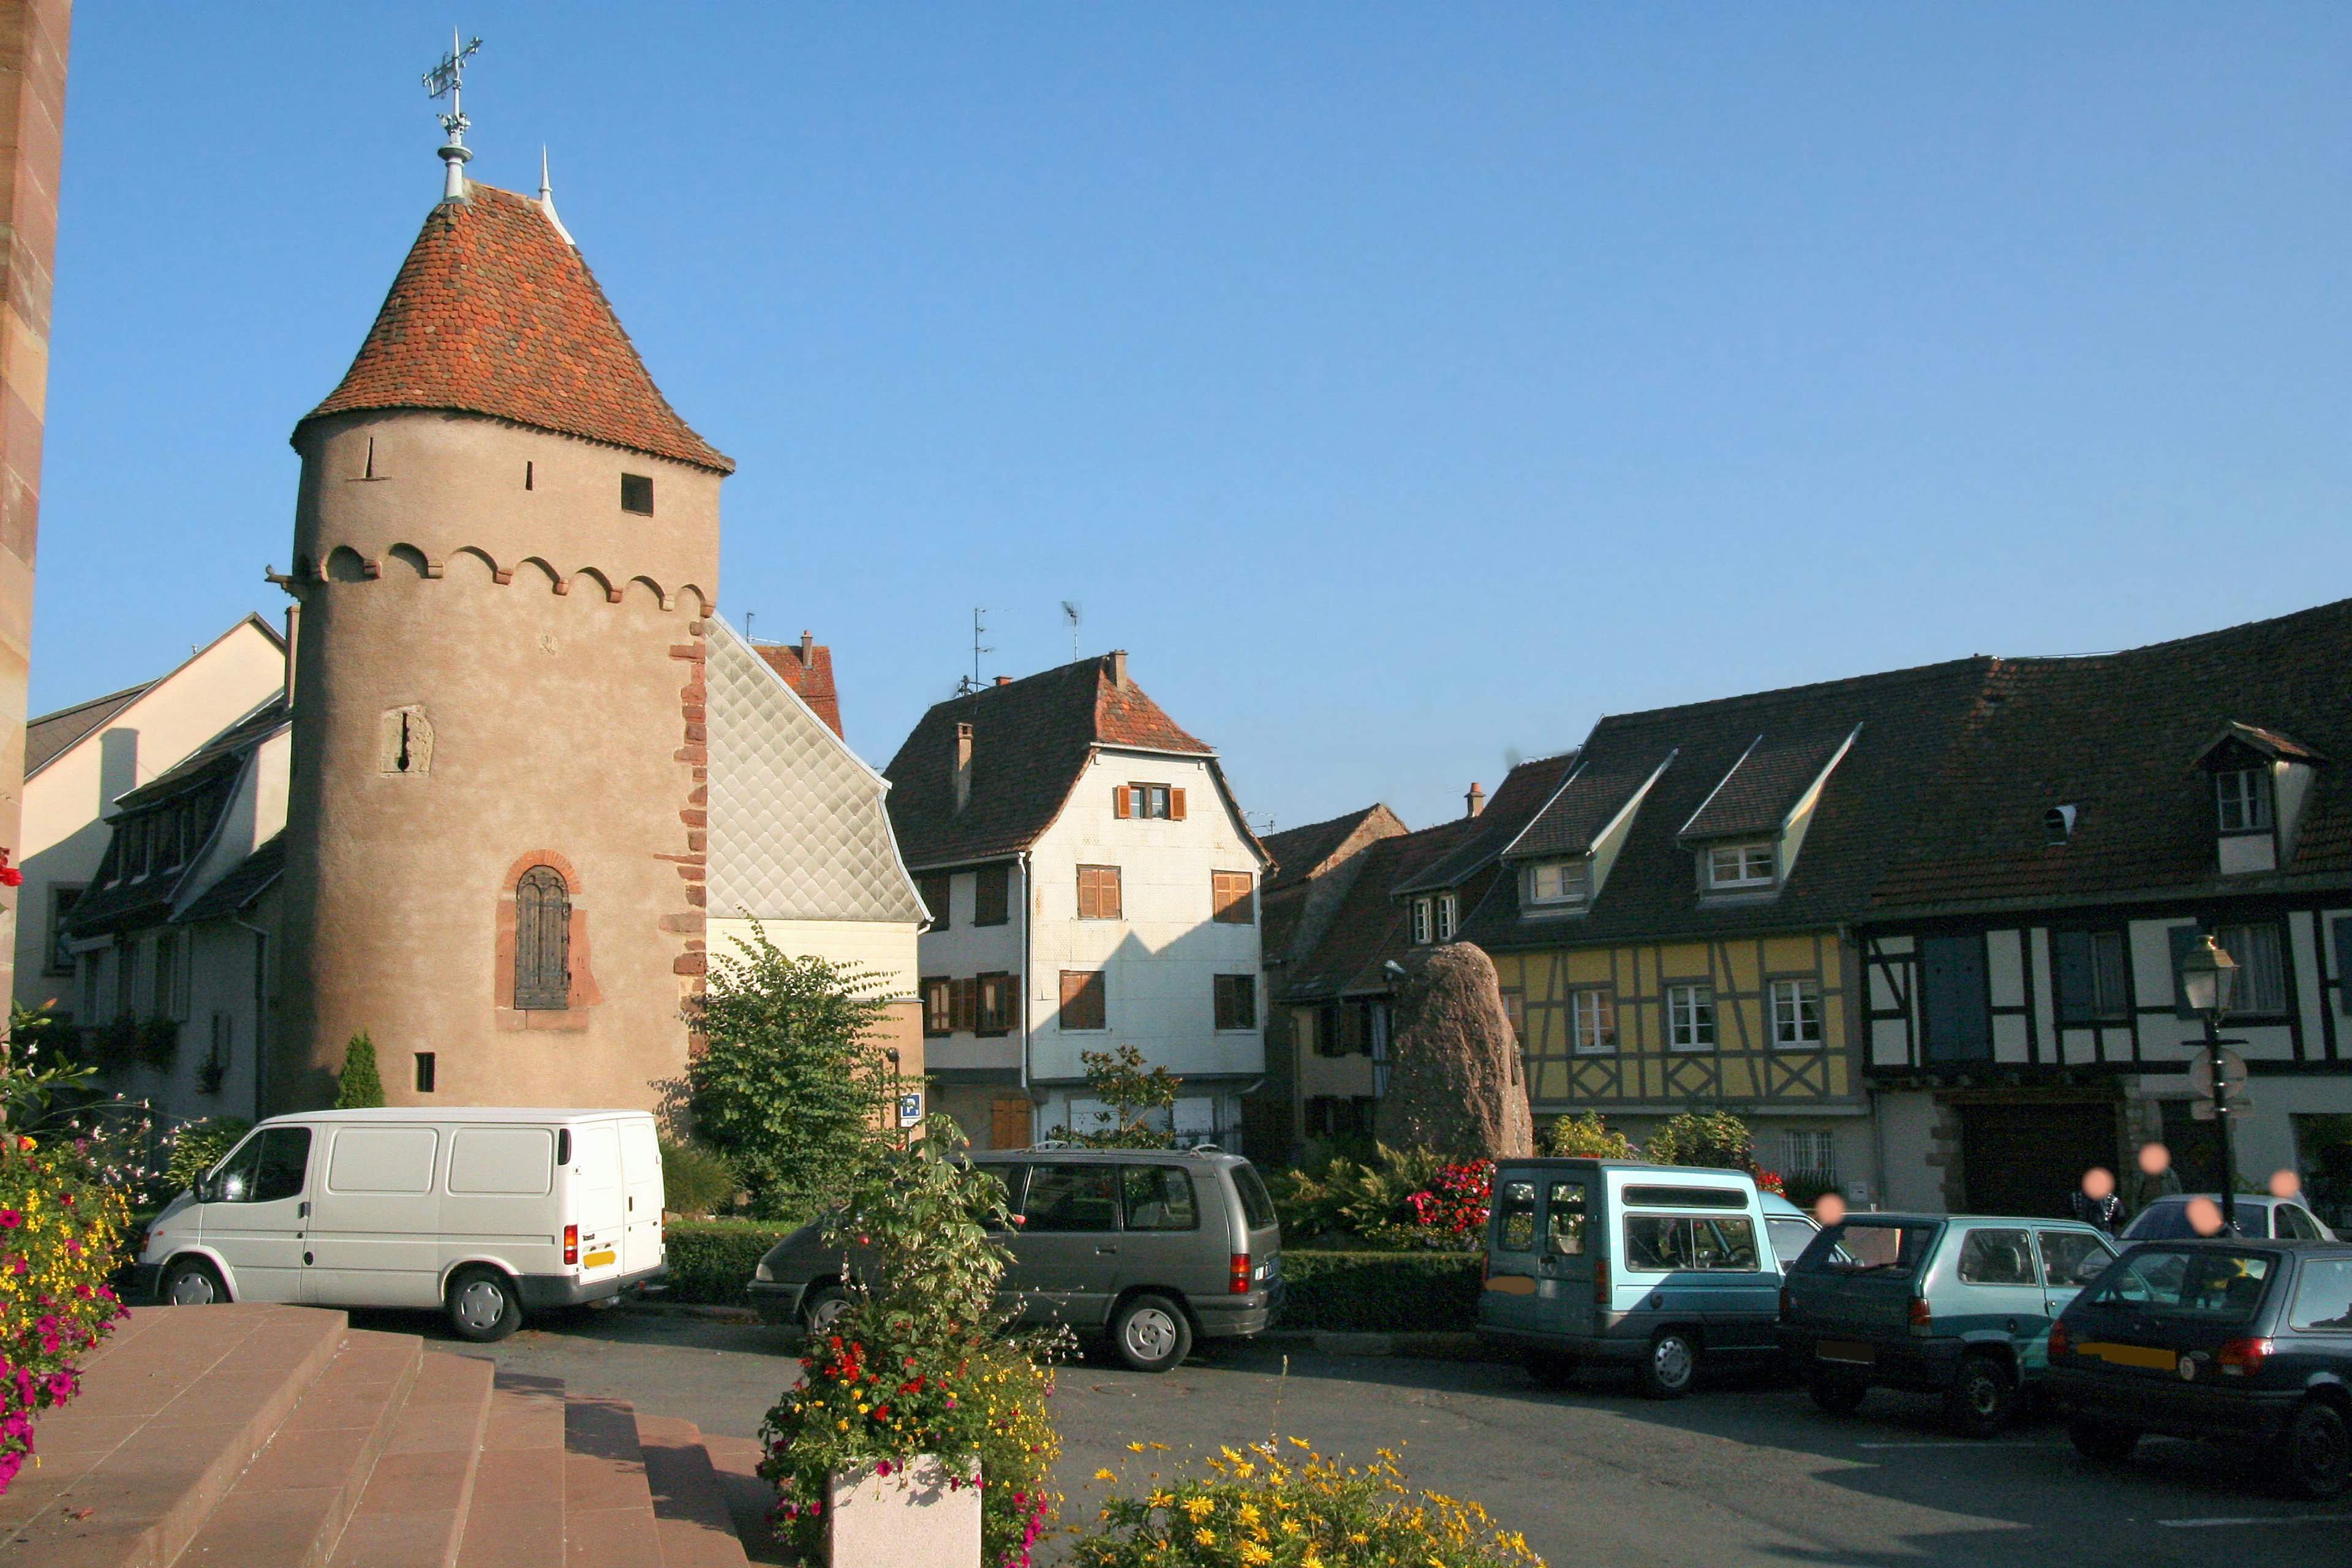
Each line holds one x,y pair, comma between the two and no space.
1230,899
1083,1000
1099,893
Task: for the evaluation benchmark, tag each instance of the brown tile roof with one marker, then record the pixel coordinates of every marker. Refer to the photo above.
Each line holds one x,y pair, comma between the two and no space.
1031,741
1301,852
1766,783
51,735
807,669
2118,737
1523,792
495,313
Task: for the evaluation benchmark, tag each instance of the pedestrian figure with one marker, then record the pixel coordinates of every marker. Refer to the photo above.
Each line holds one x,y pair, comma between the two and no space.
1828,1209
2096,1203
2157,1178
2205,1217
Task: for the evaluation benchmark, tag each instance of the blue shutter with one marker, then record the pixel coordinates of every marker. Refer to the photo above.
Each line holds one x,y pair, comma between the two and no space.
1955,1004
2077,983
2343,964
2183,939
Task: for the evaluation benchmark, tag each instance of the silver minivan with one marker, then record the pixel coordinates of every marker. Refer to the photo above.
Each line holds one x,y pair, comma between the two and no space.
1654,1267
1153,1248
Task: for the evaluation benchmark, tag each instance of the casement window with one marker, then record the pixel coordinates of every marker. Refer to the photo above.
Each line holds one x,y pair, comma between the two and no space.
2262,966
996,1006
1098,895
1810,1155
1232,897
1236,1001
2242,797
542,960
1445,907
165,997
2094,976
1592,1020
1560,882
62,899
1082,1000
1151,802
991,895
1422,916
935,889
938,1009
637,494
1690,1018
963,1005
1352,1029
1796,1013
1740,864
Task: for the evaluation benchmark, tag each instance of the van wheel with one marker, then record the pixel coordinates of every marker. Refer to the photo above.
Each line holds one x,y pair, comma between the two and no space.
2317,1450
2102,1442
1152,1333
483,1306
1838,1395
190,1282
1981,1398
1550,1368
1672,1365
827,1306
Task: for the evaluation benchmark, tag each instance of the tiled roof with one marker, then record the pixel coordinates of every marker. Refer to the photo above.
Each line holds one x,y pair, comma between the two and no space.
1523,792
1765,784
233,893
207,759
1861,823
494,312
1031,741
807,669
2117,736
51,735
1301,852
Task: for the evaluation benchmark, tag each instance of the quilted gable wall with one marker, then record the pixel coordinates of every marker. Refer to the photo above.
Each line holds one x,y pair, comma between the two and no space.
798,828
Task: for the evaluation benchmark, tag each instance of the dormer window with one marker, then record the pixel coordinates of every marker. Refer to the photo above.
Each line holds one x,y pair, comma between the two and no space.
2242,797
1421,916
1446,917
1747,865
1560,882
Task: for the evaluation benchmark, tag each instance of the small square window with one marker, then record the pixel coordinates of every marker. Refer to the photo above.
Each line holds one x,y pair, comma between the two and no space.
1796,1013
2243,799
637,494
1236,998
1740,864
1592,1015
1560,882
1690,1018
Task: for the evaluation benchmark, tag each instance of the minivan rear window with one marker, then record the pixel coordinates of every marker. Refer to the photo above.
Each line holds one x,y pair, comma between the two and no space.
1686,1198
1872,1247
1256,1206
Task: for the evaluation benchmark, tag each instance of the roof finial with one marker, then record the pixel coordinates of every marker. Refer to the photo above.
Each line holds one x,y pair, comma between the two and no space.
447,80
547,203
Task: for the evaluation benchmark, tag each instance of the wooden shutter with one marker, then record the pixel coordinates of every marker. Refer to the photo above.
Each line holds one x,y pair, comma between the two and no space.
2070,951
965,1005
1176,805
991,895
1954,1003
542,956
2343,964
1083,999
934,889
1122,802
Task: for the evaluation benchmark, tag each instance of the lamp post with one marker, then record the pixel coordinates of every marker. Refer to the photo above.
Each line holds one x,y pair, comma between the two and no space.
2208,978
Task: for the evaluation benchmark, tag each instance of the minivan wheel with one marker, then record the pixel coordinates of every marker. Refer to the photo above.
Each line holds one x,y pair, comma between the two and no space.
825,1306
1838,1395
1553,1369
1152,1333
1981,1398
2317,1450
190,1282
2102,1442
1672,1365
483,1306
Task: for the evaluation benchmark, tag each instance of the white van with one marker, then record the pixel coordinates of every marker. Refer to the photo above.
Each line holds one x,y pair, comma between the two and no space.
485,1212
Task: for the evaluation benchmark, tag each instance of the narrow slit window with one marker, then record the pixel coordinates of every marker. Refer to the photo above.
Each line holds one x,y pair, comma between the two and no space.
637,494
526,474
369,472
425,1072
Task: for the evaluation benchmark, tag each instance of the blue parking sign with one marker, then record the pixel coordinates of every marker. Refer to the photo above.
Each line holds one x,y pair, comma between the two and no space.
910,1109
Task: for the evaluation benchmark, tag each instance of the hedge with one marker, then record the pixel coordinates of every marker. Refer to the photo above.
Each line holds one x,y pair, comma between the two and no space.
710,1260
1382,1292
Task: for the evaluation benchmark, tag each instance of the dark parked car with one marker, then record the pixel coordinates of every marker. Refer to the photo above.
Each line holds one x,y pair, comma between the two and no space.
2167,1219
1952,1304
2242,1343
1153,1247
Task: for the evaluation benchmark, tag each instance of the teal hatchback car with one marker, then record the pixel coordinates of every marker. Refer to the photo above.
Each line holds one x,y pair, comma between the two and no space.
1958,1305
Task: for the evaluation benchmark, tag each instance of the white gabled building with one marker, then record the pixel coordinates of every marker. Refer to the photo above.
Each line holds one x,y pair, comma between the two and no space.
1092,883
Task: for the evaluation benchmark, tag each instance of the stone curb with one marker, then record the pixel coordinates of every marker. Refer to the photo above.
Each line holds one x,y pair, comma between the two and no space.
685,1309
1422,1346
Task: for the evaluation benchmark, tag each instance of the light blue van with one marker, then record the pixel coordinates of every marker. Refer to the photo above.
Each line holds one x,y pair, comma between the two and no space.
1658,1268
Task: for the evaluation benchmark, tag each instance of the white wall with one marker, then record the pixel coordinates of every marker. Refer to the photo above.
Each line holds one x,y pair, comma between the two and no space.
886,947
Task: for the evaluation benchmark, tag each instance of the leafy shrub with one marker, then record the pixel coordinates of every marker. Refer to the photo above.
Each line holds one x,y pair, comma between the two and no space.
197,1145
1381,1292
1266,1507
114,1045
1133,1097
1588,1137
359,1087
697,1179
158,1042
1401,1197
1716,1139
711,1261
60,1227
917,1364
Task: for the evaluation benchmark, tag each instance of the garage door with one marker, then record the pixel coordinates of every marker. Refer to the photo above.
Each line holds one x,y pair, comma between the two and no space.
2029,1159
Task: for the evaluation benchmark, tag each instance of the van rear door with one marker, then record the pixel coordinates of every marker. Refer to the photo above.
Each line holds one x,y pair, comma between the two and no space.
1509,1300
599,1197
1573,1248
641,1173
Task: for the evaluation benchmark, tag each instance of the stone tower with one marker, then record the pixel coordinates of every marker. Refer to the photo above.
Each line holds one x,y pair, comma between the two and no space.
506,544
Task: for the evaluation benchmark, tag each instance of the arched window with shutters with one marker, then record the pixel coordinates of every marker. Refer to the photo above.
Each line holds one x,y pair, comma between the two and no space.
543,953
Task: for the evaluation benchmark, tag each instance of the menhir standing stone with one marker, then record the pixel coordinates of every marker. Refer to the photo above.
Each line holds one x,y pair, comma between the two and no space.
1454,1084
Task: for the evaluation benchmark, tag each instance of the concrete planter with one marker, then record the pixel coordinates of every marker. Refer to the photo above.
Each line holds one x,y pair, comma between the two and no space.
911,1515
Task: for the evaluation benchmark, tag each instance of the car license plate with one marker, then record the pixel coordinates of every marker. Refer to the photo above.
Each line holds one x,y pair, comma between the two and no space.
1848,1350
597,1260
2129,1355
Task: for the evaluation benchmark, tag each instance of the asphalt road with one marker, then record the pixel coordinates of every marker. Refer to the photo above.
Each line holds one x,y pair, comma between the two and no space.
1743,1474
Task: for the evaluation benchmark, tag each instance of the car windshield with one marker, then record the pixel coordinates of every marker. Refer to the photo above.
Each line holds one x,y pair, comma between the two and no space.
1790,1235
1888,1248
2209,1286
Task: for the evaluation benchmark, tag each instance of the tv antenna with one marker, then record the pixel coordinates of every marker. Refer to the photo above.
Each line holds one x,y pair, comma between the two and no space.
1073,612
972,683
447,80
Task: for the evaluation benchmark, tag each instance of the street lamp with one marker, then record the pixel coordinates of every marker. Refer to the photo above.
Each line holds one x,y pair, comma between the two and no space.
2209,979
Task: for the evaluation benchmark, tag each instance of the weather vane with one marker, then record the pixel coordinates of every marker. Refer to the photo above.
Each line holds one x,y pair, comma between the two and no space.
447,80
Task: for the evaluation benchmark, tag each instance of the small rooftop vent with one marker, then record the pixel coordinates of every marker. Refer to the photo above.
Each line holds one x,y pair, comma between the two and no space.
2058,822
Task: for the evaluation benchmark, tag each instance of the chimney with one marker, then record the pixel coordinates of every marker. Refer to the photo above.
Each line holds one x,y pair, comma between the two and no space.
1476,799
1003,680
808,649
963,766
1119,668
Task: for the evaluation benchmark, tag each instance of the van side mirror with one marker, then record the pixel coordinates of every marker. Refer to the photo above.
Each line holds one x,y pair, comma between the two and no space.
208,1189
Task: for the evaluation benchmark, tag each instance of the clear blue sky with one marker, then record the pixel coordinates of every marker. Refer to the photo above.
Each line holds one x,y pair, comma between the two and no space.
1401,385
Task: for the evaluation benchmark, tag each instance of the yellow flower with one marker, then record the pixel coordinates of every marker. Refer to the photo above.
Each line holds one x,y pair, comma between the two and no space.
1205,1536
1135,1447
1105,1476
1256,1554
1249,1513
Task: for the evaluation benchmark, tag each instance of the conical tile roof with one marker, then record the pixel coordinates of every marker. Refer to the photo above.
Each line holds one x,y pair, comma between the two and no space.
494,312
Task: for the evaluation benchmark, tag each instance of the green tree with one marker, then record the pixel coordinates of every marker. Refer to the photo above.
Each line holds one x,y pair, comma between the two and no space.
39,1079
1588,1137
197,1145
359,1087
791,1086
1714,1139
1133,1095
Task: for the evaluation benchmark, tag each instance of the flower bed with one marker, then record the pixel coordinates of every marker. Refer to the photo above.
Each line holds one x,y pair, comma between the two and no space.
58,1231
1381,1292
